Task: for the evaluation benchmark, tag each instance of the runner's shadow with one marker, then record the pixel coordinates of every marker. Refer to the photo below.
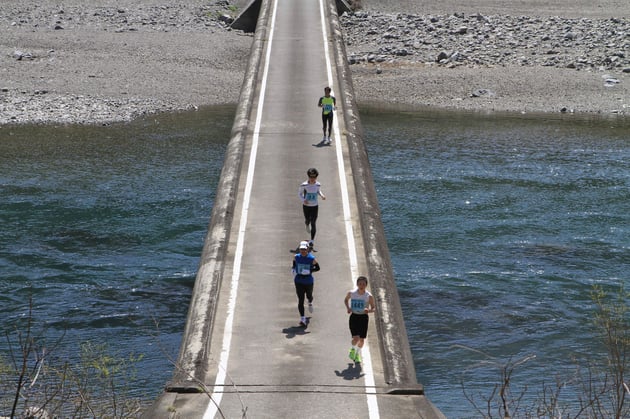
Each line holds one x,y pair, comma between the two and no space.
321,144
294,331
352,372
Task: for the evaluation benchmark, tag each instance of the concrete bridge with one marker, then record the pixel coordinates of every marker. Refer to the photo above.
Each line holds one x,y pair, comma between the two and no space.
243,353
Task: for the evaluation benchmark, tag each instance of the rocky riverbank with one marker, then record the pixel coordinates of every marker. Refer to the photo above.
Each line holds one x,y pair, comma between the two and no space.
491,62
103,61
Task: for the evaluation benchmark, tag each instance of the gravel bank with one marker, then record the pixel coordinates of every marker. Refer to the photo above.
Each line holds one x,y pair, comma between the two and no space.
104,61
114,60
491,62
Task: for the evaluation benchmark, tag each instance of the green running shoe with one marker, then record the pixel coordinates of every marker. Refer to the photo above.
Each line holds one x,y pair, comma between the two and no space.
352,354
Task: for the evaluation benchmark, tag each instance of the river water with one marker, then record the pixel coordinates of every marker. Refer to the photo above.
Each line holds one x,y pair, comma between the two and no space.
103,228
498,229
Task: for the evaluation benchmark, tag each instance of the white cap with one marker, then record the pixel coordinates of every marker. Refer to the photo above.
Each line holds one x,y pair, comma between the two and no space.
303,245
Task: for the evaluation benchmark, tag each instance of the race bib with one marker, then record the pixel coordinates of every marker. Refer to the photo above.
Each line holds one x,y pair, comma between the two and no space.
304,269
358,306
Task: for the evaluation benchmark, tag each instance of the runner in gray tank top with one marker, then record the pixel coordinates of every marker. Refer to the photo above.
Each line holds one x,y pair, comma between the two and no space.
359,302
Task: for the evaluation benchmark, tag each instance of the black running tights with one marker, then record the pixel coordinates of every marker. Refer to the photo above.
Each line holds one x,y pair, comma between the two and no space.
310,217
303,290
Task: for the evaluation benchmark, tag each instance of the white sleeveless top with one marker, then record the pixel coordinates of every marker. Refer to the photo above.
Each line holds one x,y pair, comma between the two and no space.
358,302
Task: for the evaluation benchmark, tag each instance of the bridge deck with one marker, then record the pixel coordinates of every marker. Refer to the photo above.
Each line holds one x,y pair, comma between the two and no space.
243,347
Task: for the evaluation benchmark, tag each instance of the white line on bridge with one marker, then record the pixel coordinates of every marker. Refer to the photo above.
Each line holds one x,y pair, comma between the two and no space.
217,394
366,365
215,398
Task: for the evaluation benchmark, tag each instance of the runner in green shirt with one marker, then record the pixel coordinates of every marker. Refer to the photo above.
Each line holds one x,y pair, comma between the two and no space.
328,104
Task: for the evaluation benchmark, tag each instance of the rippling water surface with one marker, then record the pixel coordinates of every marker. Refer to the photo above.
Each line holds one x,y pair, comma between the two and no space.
498,229
103,228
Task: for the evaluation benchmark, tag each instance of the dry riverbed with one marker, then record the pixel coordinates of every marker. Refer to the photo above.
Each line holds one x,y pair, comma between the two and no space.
112,60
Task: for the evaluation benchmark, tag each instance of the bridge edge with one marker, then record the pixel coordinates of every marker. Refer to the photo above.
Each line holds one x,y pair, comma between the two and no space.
398,362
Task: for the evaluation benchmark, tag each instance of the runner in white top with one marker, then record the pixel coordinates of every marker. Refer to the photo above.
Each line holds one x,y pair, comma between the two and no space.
309,192
359,302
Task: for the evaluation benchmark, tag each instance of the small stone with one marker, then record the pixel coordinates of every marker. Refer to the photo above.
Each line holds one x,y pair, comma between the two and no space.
462,30
482,93
226,19
441,56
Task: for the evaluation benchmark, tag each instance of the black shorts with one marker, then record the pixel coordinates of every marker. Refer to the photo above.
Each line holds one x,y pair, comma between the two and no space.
358,325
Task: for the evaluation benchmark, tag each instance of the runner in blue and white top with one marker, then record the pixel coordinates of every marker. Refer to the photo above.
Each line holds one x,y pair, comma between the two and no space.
304,264
359,302
309,192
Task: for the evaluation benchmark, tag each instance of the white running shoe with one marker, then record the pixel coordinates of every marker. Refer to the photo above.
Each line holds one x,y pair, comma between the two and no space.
310,308
324,139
